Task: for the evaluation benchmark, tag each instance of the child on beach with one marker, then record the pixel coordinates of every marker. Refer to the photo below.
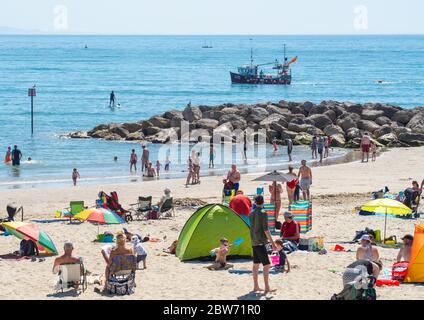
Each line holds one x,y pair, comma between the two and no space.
220,256
167,163
158,165
75,176
373,151
139,251
281,267
274,144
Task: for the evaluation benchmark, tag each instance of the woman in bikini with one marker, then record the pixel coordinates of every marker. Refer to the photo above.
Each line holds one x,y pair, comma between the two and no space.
291,185
275,189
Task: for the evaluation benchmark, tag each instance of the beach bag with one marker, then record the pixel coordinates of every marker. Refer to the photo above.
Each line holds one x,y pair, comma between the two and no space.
27,248
400,270
154,215
121,287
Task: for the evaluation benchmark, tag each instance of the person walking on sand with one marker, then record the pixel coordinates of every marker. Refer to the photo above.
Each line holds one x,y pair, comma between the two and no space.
133,160
305,180
314,145
8,156
290,149
144,158
16,156
75,176
112,100
211,156
365,146
260,236
190,172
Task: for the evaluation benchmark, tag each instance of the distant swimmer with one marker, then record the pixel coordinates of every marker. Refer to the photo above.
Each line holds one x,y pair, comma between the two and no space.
8,156
112,100
380,81
86,47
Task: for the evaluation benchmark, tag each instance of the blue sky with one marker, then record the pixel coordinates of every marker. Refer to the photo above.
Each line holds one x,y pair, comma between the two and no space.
216,16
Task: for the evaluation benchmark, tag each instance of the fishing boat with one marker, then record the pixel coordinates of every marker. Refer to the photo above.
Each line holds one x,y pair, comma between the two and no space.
251,74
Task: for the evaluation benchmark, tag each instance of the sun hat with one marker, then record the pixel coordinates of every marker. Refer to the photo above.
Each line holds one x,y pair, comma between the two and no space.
288,214
366,237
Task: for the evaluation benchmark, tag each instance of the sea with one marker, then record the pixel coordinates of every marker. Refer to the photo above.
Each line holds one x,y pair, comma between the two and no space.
74,76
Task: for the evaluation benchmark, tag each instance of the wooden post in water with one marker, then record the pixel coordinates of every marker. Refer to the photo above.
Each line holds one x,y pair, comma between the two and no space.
32,94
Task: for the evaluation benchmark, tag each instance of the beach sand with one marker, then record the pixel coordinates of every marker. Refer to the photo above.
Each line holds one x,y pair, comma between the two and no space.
336,190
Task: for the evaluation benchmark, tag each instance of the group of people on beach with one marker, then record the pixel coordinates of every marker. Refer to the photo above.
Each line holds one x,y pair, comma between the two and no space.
147,168
320,145
368,146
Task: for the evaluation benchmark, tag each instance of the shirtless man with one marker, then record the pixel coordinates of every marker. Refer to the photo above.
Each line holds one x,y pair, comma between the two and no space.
405,252
144,158
365,146
234,177
305,180
221,256
133,160
66,258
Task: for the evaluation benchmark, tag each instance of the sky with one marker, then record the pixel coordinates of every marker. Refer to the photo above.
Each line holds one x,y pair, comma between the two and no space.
209,17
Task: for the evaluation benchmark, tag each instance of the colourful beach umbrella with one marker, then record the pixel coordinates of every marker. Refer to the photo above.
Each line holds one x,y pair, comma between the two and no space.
24,230
99,216
388,208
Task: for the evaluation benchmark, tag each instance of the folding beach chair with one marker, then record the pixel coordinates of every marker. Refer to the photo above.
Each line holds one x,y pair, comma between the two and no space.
72,275
142,208
75,207
12,211
121,278
167,209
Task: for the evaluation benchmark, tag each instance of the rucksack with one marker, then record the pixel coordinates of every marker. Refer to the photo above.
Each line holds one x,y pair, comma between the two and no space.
27,248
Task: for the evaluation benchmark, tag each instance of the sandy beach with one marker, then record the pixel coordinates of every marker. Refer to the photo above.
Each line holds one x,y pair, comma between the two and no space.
336,191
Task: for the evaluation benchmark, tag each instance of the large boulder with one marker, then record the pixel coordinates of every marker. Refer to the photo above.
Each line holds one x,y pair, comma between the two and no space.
172,114
338,140
387,139
417,122
320,120
287,134
383,120
303,138
346,123
353,133
299,127
354,143
135,136
403,116
331,114
212,114
298,119
225,129
192,113
314,131
307,106
333,130
383,130
229,110
151,131
412,139
271,134
367,125
398,130
208,124
318,109
353,108
160,122
100,134
370,114
113,137
273,118
165,135
257,115
389,111
79,135
100,127
277,127
277,109
132,127
120,131
238,122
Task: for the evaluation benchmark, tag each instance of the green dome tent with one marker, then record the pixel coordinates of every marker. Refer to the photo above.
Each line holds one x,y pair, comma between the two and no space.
206,227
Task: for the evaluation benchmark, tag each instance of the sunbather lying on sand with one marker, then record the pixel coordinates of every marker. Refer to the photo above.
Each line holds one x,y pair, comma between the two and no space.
221,256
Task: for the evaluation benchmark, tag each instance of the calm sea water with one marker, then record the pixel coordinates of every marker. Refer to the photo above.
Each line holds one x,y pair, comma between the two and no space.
151,74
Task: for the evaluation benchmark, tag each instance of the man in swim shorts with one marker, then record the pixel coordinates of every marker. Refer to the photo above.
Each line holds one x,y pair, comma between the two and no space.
289,148
144,158
16,156
305,180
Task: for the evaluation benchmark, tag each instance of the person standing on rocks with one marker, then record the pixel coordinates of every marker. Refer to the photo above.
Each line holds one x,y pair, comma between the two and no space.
144,158
365,146
305,180
133,160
